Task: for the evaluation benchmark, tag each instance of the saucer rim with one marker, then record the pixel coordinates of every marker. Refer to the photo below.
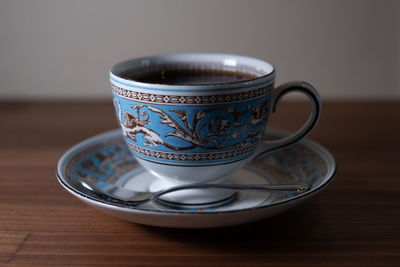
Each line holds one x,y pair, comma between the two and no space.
317,148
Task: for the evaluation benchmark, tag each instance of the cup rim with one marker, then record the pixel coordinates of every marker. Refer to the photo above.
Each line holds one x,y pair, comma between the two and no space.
226,59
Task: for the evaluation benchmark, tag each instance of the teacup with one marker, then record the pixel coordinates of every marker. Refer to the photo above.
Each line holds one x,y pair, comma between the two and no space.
203,128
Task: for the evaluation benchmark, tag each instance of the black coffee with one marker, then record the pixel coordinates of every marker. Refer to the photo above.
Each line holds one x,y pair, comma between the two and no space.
188,76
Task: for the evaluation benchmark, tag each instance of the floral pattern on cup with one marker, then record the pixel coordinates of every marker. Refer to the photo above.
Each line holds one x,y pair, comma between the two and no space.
183,133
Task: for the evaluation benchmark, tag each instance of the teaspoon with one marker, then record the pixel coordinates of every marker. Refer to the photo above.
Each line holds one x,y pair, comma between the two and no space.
133,198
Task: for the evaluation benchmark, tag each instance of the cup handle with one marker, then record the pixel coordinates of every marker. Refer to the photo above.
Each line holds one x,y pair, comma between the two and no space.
278,93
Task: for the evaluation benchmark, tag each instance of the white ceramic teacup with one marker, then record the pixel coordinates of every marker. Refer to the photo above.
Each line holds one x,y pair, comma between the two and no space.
192,133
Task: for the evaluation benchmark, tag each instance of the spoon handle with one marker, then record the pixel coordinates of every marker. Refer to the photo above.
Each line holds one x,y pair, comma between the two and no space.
255,187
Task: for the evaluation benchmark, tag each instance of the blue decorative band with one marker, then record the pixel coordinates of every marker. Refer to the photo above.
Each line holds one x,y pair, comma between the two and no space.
223,156
205,132
192,100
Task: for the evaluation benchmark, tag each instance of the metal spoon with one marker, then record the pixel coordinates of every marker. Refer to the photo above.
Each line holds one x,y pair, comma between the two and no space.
133,198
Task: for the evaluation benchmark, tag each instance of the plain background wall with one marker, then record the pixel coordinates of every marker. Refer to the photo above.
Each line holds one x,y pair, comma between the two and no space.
56,49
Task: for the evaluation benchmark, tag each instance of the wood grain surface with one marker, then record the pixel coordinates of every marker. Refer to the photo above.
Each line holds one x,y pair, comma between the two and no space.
353,222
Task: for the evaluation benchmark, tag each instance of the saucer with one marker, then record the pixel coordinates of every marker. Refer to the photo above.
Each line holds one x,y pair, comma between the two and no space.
106,158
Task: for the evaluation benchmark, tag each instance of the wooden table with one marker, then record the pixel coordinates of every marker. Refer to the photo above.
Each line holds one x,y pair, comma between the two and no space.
353,222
